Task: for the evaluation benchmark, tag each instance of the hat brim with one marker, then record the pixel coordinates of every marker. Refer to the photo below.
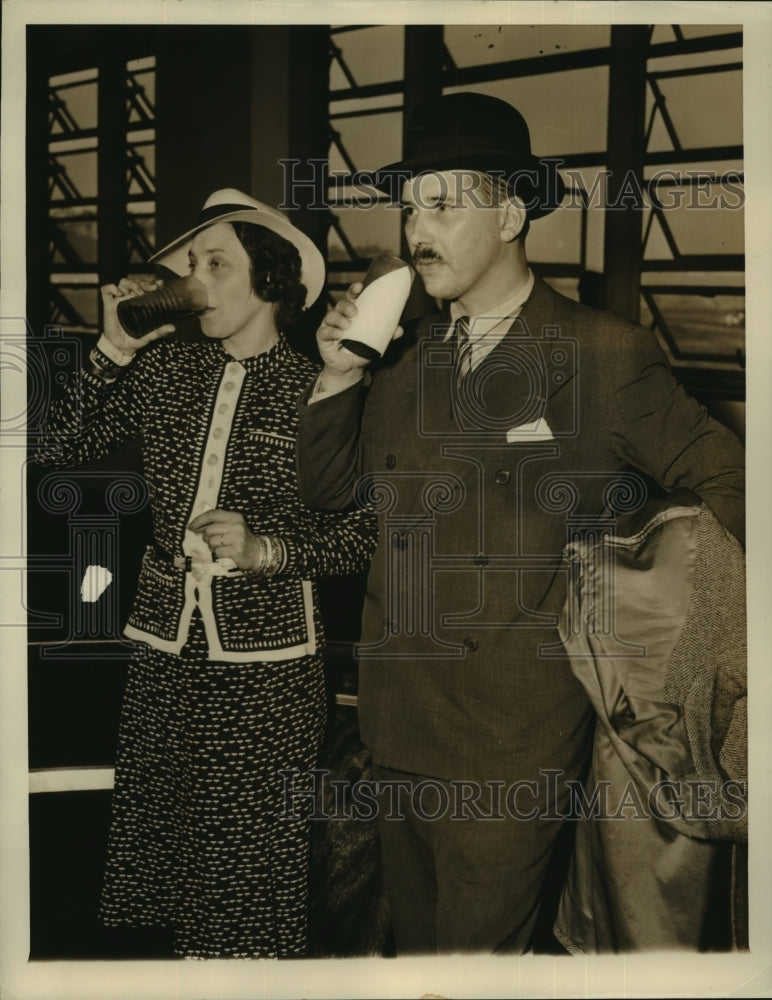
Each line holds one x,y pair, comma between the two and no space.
174,255
540,185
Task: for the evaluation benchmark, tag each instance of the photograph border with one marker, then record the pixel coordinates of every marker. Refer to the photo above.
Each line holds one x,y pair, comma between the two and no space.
632,975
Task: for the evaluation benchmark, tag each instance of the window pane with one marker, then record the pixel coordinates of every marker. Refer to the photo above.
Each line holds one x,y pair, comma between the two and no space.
556,238
667,32
369,230
477,45
74,175
705,30
74,241
371,55
370,141
75,308
73,107
721,92
695,230
565,112
710,327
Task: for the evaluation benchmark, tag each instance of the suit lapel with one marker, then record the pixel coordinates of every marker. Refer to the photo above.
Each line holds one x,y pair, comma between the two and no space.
518,379
530,365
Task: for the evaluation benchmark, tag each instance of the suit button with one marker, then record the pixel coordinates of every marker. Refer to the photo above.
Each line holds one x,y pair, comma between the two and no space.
471,643
502,477
390,461
481,560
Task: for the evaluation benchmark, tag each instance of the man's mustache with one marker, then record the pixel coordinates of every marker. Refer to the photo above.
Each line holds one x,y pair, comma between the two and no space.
425,254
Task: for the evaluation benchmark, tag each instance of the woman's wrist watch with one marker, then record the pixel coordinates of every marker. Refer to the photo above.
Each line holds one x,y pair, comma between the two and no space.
102,367
106,361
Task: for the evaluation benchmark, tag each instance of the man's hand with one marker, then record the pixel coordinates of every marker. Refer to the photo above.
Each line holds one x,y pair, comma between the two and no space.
338,360
227,535
127,288
342,367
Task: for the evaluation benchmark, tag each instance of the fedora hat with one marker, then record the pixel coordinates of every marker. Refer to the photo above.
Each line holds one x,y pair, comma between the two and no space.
230,205
475,132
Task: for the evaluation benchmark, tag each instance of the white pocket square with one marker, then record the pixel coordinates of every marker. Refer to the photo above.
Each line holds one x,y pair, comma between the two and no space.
536,430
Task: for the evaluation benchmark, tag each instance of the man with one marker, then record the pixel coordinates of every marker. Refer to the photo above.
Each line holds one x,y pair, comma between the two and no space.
517,420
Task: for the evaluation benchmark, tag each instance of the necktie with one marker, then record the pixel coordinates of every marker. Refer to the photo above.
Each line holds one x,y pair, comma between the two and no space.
463,354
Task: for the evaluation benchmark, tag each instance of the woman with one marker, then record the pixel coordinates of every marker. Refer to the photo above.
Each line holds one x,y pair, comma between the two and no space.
226,690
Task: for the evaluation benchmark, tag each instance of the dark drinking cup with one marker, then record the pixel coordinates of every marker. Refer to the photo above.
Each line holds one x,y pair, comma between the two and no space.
178,298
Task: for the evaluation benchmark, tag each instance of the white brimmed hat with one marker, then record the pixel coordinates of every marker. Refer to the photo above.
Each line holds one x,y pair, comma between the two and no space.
230,205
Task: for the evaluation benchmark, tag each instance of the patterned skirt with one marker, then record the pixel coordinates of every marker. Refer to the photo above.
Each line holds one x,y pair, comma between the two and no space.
203,838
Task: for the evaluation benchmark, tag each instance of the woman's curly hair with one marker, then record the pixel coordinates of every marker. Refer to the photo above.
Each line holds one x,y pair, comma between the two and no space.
276,270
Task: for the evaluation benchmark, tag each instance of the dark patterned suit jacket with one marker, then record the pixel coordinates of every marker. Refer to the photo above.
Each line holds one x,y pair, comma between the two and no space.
573,418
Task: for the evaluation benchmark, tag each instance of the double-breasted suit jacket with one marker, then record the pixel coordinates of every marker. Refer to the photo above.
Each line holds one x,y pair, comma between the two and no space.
573,416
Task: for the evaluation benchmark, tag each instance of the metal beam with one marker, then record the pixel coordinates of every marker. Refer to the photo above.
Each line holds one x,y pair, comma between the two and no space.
708,43
626,147
308,88
697,262
425,58
424,61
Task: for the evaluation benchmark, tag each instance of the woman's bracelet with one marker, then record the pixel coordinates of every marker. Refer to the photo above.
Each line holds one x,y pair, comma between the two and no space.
272,556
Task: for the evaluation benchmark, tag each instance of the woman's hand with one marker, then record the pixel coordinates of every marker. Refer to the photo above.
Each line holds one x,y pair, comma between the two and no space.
127,288
228,536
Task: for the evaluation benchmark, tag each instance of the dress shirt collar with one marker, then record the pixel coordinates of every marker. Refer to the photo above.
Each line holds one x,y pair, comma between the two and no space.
488,320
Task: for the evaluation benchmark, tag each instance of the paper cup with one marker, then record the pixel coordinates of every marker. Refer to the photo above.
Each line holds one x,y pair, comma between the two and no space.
379,307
